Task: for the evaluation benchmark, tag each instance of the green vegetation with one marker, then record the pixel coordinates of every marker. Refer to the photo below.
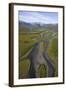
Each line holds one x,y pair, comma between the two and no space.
24,67
42,71
53,54
53,49
27,41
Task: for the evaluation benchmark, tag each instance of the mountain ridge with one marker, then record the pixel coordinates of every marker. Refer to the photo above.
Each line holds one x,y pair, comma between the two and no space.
30,27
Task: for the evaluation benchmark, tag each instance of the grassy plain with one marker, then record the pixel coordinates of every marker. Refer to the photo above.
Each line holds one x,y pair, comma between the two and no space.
27,41
53,53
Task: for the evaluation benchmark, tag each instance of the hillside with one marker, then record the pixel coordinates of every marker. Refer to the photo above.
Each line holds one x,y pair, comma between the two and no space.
32,27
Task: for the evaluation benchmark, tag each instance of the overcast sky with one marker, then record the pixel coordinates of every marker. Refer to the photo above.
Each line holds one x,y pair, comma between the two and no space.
38,17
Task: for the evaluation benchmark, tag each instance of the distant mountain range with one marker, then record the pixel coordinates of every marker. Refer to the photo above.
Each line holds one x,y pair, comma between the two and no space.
31,27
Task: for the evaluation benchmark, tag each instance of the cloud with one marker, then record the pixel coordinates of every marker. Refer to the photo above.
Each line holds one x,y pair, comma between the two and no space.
37,17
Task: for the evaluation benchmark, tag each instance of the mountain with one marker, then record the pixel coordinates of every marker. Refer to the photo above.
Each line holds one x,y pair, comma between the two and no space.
52,27
24,27
31,27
